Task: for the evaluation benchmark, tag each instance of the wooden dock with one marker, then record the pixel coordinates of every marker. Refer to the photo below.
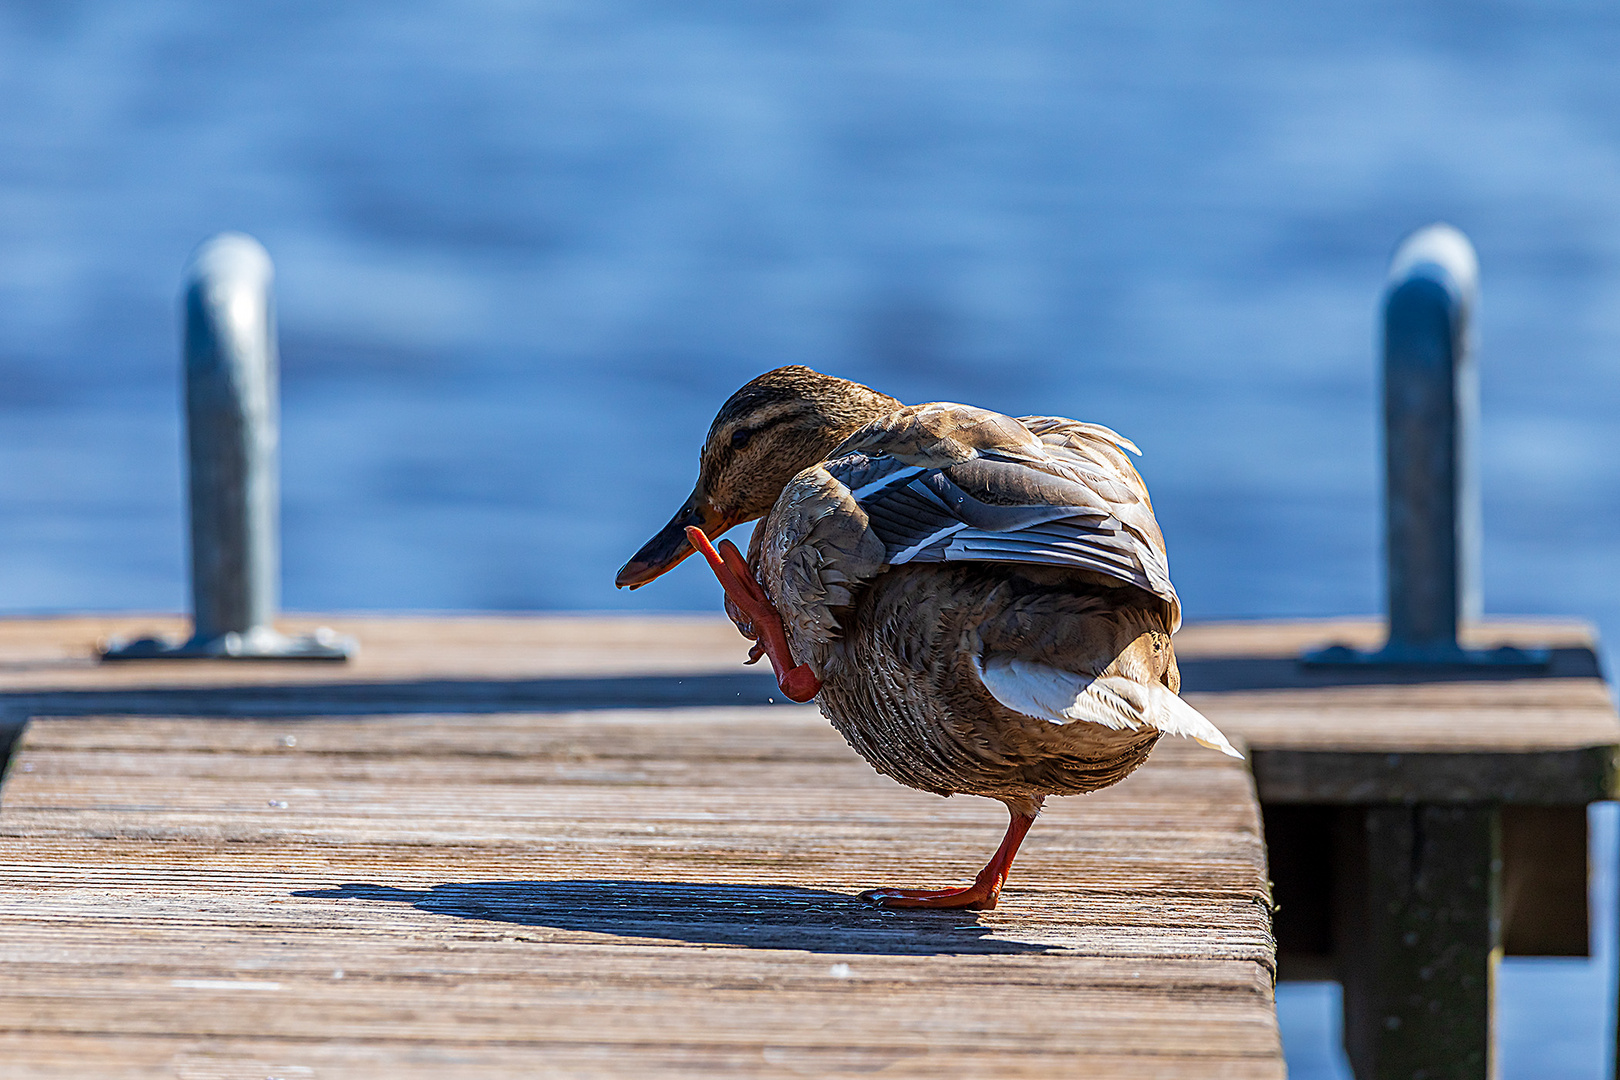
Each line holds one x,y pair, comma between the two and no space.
593,847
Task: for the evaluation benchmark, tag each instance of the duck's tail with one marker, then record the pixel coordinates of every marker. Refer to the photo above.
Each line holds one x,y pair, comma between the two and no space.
1063,697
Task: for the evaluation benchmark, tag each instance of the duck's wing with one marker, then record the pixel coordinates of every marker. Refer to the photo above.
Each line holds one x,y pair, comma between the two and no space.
951,483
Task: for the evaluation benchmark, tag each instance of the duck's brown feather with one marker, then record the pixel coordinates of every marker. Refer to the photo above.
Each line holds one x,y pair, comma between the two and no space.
939,539
901,683
952,483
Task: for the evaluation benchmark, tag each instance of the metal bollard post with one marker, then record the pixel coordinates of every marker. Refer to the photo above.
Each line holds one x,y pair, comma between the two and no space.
1431,493
232,429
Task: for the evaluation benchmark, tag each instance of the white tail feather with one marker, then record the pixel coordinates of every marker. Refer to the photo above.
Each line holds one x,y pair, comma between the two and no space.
1050,693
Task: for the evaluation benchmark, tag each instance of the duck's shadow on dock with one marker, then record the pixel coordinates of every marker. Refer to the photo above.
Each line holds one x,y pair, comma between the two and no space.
752,916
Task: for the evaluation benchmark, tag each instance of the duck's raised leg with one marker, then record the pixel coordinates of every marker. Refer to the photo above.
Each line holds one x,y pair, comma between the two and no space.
984,891
798,683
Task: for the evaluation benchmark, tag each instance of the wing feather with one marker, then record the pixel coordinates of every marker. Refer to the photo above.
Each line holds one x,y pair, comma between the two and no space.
1043,490
950,483
1049,693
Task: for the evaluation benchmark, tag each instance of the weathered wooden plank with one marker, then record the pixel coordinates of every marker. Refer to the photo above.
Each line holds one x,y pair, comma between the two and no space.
1349,736
1487,718
1535,715
1244,676
225,1058
664,893
58,653
1269,638
1362,736
1546,778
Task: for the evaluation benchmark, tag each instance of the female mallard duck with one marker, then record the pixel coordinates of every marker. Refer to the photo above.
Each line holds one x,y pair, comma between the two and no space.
981,604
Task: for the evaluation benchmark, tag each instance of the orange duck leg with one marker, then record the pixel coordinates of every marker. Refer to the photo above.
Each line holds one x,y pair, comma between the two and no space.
984,891
799,682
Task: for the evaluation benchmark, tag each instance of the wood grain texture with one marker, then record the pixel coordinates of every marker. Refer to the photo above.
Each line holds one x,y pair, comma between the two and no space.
1360,736
618,892
58,653
1244,675
504,878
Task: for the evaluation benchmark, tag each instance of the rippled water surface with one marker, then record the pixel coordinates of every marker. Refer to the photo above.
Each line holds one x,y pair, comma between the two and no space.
526,249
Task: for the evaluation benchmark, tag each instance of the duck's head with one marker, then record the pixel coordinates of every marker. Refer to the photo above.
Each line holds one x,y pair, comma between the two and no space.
766,433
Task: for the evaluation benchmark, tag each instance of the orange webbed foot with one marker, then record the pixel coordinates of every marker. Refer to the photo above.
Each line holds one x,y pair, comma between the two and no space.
798,682
981,895
971,896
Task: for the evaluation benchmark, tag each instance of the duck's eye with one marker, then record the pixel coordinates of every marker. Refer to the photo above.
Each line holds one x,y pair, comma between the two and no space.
740,437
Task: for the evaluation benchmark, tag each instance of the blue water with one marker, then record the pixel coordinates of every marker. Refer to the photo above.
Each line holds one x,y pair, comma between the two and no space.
525,250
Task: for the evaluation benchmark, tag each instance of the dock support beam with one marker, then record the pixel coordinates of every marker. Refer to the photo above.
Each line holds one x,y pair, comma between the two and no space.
1421,930
232,431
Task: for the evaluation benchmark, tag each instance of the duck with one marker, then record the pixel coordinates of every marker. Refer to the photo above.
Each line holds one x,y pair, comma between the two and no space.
980,604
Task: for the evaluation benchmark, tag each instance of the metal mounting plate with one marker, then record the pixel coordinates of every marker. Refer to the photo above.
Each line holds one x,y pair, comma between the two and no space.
1442,655
261,643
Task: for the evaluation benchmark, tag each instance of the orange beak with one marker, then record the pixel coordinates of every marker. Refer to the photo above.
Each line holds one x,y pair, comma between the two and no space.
660,554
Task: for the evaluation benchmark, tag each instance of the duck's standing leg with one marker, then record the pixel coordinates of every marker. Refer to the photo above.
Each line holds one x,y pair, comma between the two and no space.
986,888
798,683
